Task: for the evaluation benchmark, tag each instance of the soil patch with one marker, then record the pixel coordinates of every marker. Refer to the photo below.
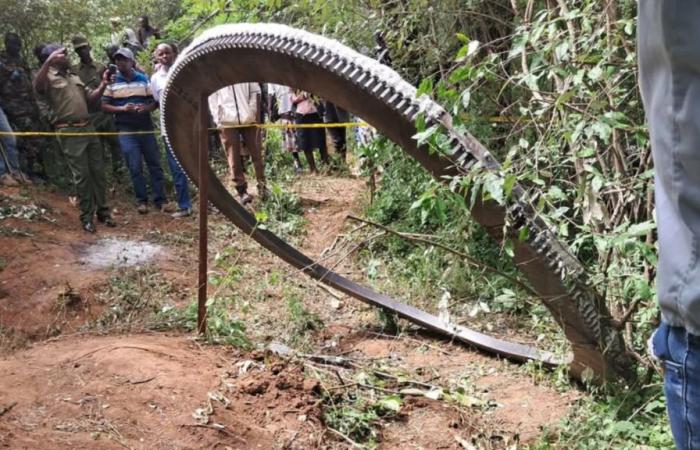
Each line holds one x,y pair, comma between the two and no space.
151,392
327,201
116,252
46,259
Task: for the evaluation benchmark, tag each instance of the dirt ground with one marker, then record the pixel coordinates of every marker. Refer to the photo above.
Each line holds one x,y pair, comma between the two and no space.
66,384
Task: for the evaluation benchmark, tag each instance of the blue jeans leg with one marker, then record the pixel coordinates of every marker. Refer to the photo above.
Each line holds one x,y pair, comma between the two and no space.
9,144
679,352
132,156
151,154
179,180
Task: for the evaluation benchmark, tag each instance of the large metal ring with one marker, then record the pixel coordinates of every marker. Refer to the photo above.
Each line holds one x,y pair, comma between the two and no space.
273,53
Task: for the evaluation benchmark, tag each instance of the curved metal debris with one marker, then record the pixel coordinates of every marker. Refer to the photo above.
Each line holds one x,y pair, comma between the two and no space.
275,53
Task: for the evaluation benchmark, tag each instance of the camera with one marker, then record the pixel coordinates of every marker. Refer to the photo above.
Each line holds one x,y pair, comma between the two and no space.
112,69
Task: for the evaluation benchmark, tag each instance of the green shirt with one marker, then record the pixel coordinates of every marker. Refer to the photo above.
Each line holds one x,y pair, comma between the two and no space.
66,97
91,75
16,93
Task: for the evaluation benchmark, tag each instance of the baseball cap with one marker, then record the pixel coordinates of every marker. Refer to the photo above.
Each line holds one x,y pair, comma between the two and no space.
47,50
79,41
125,52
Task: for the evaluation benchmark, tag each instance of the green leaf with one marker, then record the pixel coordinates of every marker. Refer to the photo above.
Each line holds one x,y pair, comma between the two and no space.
523,234
602,129
555,193
423,136
508,249
261,216
509,184
462,53
623,427
460,74
586,153
426,87
562,51
641,229
462,37
595,73
390,403
493,185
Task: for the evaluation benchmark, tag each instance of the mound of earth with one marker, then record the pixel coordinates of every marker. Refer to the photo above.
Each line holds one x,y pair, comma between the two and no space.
152,391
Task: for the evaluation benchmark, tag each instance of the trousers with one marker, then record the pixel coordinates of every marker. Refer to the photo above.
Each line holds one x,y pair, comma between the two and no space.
182,190
9,159
84,156
679,352
137,149
231,140
104,123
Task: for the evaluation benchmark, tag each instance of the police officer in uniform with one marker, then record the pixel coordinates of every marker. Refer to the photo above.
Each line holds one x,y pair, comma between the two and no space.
67,98
90,72
17,100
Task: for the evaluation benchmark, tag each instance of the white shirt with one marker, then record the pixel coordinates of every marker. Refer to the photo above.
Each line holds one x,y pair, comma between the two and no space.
235,105
284,98
158,80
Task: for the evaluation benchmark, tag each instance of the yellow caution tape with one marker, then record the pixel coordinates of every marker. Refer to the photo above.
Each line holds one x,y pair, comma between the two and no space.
257,125
134,133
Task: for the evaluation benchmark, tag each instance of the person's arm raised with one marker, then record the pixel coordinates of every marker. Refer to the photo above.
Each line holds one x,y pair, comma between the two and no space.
95,94
41,80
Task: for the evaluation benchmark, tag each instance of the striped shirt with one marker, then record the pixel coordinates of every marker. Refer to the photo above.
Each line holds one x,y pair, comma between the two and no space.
137,90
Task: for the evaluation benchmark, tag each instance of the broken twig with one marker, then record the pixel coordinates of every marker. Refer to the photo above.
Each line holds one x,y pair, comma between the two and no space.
8,408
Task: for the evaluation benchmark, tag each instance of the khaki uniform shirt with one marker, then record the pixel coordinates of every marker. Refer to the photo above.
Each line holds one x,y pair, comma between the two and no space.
66,97
91,75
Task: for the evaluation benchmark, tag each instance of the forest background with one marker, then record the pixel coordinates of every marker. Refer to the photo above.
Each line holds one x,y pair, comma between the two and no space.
549,86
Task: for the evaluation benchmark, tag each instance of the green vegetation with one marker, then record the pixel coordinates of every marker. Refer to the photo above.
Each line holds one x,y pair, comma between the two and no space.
132,298
628,419
301,319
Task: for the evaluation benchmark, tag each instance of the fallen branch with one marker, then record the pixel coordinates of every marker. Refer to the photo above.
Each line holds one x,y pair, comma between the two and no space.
344,437
8,408
407,338
469,259
620,324
144,380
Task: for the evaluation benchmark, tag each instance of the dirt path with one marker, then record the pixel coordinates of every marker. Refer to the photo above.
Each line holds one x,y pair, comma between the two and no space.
165,390
327,201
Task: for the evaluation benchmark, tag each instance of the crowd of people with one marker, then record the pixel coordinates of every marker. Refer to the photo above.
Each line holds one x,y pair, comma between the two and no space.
97,110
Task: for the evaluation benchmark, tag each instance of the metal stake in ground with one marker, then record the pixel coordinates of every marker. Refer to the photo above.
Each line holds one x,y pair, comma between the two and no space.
203,203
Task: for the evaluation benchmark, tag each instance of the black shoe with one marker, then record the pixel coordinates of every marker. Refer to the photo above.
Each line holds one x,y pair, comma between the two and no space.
108,221
89,226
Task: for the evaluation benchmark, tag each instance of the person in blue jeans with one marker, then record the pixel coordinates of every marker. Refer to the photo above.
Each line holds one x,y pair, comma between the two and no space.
165,56
669,69
10,174
130,99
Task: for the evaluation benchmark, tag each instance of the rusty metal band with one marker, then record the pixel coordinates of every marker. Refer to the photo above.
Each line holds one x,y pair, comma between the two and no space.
273,53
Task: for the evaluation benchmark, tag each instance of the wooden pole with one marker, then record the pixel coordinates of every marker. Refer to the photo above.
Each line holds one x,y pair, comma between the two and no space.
203,213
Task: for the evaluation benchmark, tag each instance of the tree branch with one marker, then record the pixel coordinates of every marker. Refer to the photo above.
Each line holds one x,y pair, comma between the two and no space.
469,259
